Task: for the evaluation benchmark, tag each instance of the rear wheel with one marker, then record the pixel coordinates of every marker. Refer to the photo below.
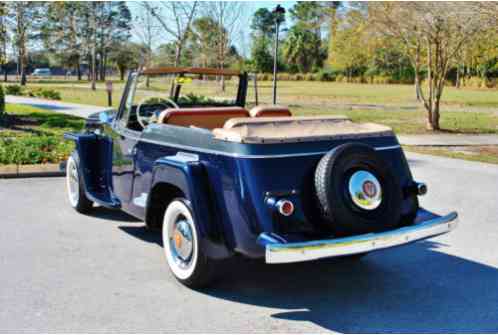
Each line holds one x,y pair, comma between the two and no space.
182,248
75,186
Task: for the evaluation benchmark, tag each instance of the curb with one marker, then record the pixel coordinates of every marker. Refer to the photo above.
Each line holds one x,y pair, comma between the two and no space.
32,171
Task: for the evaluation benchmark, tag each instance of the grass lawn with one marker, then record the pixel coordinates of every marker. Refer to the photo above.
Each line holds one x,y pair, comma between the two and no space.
32,136
463,110
315,98
300,93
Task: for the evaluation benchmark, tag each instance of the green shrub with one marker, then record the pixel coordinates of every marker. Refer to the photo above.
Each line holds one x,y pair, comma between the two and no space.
2,102
14,90
263,76
324,75
62,122
341,78
44,93
283,76
490,82
34,150
310,77
298,76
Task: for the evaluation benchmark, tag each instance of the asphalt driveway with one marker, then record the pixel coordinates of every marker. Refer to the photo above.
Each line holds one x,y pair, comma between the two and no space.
64,272
79,110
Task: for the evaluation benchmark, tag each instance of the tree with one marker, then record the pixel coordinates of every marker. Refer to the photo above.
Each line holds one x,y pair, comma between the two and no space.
63,32
203,41
300,49
263,33
263,23
146,29
349,52
27,25
113,26
175,18
303,47
332,13
126,56
227,16
439,30
4,37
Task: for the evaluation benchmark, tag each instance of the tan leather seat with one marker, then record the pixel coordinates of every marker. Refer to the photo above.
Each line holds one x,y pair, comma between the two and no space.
270,111
209,117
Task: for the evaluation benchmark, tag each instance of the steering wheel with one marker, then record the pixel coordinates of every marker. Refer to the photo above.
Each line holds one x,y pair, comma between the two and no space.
144,121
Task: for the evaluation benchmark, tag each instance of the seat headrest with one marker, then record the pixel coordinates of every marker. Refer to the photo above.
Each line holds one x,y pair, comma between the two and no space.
269,110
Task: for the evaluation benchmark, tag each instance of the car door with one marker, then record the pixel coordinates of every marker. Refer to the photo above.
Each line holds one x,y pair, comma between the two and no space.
124,142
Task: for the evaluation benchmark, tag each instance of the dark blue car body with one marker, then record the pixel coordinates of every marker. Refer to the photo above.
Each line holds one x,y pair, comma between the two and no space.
231,187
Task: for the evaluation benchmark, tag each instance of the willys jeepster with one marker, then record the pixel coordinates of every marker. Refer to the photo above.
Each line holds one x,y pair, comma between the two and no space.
218,179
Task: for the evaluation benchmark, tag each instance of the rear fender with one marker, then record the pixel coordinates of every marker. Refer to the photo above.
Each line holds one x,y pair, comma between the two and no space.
188,174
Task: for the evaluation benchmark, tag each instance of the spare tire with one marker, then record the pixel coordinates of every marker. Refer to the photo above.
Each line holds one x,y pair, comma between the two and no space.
357,192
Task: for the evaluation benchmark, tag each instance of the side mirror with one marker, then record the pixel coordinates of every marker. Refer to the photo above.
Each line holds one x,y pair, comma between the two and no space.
106,117
97,121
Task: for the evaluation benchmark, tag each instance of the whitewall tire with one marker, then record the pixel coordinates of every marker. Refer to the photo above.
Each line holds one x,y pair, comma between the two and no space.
182,248
75,187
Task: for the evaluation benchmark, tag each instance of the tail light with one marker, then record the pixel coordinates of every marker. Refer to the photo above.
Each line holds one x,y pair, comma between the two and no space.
285,207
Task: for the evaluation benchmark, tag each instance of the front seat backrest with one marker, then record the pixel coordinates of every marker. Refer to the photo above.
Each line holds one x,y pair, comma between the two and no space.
209,117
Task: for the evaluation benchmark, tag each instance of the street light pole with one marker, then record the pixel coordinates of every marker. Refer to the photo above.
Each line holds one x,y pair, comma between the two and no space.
278,13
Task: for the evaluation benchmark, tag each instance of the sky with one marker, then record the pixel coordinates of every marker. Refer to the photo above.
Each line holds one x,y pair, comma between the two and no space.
242,41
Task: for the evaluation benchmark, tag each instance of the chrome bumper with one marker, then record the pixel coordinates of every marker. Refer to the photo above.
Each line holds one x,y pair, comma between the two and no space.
426,225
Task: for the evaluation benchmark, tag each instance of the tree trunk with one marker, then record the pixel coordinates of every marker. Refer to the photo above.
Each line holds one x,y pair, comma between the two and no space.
122,73
434,115
417,72
23,69
457,82
94,46
78,69
417,85
104,66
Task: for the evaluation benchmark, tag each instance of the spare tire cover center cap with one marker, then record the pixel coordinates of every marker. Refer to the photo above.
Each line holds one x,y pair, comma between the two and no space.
365,190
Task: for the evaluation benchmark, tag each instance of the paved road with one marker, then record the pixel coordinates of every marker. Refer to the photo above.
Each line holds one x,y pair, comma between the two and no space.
65,272
56,106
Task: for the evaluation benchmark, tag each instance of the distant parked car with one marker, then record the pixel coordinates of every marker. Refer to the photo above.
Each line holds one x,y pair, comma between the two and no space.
42,72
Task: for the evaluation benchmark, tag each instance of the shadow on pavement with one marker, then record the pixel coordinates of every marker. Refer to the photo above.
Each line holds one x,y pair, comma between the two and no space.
412,289
112,215
143,233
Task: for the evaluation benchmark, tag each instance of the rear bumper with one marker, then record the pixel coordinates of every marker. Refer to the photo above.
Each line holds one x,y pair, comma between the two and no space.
426,225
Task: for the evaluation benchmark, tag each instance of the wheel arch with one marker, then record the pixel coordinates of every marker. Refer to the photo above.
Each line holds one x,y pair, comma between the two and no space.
178,176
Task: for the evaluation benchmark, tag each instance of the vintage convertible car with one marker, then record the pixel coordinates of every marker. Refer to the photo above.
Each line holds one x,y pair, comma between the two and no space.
219,180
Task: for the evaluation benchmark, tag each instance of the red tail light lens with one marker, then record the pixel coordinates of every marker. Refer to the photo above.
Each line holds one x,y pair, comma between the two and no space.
285,207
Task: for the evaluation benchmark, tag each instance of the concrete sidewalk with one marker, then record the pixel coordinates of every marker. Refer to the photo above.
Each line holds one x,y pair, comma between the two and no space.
57,106
448,140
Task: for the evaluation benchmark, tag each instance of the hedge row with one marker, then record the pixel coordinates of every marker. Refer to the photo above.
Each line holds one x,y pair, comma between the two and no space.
34,149
33,92
474,82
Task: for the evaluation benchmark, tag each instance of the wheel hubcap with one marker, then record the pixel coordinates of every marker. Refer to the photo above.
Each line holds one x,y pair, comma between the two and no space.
73,183
181,242
365,190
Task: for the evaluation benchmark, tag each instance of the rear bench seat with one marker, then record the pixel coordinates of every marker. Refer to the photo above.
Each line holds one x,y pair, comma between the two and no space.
209,118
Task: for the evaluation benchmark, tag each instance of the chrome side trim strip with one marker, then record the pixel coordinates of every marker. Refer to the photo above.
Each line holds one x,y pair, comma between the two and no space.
306,251
236,155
